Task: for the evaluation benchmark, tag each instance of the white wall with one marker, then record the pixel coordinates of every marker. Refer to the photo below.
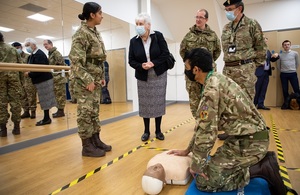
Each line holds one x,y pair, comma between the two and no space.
275,15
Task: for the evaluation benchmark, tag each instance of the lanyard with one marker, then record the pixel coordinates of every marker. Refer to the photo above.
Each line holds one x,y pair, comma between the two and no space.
233,30
202,88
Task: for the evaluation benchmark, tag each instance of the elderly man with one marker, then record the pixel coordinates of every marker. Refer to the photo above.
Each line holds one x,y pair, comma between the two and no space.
55,58
243,46
199,35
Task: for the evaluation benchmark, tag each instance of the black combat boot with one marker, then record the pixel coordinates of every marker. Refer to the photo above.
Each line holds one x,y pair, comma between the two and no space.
3,131
99,144
88,149
59,113
268,169
16,129
32,114
25,114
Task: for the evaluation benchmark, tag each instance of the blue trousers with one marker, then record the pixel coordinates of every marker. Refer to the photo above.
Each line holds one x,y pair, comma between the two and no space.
261,86
285,78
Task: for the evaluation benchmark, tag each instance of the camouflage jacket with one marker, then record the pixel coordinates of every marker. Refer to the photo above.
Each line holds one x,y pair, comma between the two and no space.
9,54
87,55
24,57
248,40
55,57
224,106
201,38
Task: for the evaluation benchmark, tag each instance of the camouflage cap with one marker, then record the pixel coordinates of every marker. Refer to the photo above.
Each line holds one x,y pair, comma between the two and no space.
16,44
231,2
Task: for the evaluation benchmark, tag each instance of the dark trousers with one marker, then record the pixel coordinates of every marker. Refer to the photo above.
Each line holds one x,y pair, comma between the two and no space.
105,96
285,78
261,86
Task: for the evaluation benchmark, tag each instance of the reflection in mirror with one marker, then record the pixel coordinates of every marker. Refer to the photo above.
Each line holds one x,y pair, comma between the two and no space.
59,29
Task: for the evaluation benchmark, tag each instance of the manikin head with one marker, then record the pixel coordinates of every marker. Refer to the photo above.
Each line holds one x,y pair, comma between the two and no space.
153,179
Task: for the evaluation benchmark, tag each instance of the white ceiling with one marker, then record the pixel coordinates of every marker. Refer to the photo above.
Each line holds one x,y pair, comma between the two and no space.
16,18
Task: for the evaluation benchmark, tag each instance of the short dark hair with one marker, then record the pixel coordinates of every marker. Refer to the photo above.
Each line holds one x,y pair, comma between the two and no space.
1,37
240,4
201,58
49,42
286,41
88,8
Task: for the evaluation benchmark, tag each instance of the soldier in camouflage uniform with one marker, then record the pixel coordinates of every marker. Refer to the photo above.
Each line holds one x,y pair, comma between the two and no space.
87,56
200,35
29,91
11,89
223,106
59,81
243,46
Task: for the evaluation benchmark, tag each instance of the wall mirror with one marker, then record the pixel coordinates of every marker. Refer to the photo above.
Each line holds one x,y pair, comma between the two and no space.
60,29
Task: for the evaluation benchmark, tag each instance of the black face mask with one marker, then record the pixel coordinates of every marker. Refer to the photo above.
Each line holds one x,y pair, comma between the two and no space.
189,74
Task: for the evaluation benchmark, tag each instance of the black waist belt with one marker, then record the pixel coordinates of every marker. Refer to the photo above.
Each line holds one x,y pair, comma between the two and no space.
94,61
262,135
238,63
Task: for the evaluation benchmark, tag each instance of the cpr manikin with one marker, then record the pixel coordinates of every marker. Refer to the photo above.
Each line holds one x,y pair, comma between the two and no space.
163,169
154,179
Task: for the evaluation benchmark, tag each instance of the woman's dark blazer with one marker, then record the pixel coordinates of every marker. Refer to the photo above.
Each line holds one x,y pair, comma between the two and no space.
39,58
159,53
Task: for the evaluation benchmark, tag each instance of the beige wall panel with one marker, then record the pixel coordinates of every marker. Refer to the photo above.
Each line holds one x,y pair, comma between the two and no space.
272,87
117,72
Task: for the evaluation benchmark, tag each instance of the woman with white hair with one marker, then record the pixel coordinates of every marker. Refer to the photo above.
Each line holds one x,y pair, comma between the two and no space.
43,81
148,53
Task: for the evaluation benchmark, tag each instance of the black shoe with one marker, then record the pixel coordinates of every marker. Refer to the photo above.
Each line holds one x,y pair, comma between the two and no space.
263,108
26,114
145,137
160,136
42,122
32,116
284,107
223,136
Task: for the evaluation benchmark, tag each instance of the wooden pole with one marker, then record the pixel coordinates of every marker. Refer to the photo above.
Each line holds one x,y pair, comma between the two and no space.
33,66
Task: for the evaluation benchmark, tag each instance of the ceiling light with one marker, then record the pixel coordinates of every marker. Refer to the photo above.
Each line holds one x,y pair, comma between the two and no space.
40,17
4,29
44,37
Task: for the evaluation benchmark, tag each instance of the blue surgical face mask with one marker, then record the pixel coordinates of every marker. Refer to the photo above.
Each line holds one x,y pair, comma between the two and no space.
140,30
28,49
19,50
230,15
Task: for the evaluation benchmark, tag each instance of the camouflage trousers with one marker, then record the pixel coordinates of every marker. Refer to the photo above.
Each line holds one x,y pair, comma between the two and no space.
29,95
11,92
71,90
194,90
244,76
228,168
60,90
88,104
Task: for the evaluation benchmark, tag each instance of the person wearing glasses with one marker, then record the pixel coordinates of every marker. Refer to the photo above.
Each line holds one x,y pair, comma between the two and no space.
199,35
